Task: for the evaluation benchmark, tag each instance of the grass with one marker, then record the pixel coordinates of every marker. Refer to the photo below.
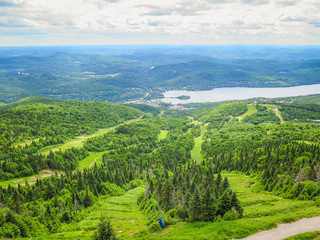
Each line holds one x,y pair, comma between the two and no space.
262,211
269,106
30,179
305,236
89,161
251,110
79,141
125,216
306,142
276,111
162,135
196,151
24,143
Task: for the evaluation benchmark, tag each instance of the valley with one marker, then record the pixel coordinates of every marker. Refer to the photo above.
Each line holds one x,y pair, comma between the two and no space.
258,163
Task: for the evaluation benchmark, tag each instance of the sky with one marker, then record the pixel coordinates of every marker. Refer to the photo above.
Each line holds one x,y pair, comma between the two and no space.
107,22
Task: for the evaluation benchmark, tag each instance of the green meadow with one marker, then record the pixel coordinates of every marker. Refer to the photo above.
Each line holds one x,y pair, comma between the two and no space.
196,151
262,211
251,110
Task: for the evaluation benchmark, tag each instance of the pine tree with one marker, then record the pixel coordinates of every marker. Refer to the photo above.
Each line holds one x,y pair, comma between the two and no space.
195,206
87,201
224,203
236,204
224,185
209,206
219,180
104,230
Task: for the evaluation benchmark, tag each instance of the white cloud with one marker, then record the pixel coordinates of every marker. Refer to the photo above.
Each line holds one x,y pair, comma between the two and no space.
185,21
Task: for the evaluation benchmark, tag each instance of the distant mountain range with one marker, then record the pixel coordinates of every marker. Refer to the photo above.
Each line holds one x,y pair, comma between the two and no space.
125,73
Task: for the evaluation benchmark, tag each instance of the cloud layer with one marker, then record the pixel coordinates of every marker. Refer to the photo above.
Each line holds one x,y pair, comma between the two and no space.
47,22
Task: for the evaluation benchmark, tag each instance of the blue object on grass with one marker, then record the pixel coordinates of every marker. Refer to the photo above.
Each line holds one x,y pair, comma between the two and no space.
160,222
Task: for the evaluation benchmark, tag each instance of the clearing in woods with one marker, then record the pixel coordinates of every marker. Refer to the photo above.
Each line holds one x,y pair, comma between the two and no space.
262,211
79,141
87,162
251,110
123,210
162,135
196,151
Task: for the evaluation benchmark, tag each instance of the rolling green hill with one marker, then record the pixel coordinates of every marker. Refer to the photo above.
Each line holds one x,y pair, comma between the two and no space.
123,74
208,173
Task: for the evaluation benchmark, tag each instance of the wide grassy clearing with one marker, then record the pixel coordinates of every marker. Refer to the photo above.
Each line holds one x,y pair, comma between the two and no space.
125,216
251,110
305,236
162,135
196,151
79,141
24,143
30,179
88,162
262,211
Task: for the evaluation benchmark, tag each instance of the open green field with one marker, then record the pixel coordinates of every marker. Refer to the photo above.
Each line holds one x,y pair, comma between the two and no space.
270,107
251,110
196,151
79,141
261,211
88,162
26,142
85,163
162,135
305,236
125,216
30,179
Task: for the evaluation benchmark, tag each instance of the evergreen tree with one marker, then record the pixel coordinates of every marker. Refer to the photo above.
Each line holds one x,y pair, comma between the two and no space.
224,203
87,201
104,230
195,206
209,206
236,204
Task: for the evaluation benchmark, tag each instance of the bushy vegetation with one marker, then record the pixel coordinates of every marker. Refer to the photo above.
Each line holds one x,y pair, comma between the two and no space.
120,74
155,152
51,124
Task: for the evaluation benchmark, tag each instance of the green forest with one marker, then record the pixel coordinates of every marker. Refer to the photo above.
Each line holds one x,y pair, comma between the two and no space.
208,172
125,73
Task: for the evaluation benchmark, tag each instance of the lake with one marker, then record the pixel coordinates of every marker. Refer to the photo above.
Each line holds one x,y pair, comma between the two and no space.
235,93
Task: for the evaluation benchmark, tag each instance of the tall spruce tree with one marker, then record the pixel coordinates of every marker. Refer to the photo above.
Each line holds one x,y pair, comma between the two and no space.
209,206
236,204
195,206
224,203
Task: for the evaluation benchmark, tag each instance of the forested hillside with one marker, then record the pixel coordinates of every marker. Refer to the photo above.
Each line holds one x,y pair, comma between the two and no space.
125,73
206,172
30,127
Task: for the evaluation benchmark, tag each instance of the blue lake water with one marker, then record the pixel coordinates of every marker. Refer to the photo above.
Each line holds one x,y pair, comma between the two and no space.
234,93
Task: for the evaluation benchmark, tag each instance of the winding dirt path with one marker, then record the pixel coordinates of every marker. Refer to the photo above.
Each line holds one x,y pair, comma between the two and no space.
279,115
285,230
95,160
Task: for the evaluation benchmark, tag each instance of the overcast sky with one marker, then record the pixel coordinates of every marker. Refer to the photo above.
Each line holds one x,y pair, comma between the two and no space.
65,22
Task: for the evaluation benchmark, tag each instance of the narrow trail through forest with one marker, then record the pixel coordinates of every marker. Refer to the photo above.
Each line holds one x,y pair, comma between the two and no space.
279,115
285,230
78,142
95,160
